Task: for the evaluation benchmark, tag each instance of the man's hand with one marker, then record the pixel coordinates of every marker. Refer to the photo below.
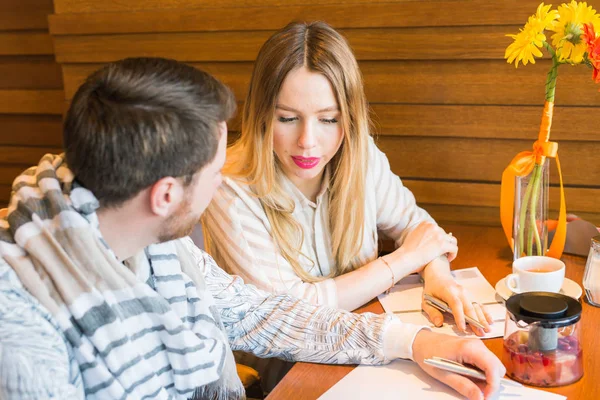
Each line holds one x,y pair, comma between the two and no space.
428,344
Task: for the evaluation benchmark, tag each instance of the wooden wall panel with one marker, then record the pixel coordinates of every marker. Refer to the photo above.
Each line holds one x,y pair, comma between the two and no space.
447,109
19,15
368,44
25,156
482,121
482,160
31,130
30,72
478,82
483,215
31,101
85,6
24,20
4,194
18,43
137,15
445,193
491,82
31,89
235,75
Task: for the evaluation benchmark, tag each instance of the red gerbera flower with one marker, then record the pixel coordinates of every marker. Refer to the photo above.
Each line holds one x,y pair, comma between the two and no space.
593,49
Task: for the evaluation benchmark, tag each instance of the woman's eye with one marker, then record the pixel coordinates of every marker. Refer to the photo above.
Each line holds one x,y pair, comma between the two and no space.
284,119
329,120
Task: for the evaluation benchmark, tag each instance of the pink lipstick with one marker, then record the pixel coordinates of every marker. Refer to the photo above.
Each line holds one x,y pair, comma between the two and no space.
306,162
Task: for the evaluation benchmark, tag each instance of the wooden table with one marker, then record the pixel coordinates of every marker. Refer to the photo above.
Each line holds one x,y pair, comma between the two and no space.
485,248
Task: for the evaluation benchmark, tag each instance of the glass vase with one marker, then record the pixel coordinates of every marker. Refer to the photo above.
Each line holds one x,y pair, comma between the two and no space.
530,232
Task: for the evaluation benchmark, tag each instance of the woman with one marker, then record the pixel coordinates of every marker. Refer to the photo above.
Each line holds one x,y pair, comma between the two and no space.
307,192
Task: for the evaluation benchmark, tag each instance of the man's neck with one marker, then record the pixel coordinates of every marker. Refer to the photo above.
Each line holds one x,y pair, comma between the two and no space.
124,231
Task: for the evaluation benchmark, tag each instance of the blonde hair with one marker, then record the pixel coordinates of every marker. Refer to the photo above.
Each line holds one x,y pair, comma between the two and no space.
321,49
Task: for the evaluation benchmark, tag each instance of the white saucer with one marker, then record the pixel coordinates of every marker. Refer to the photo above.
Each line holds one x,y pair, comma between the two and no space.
569,287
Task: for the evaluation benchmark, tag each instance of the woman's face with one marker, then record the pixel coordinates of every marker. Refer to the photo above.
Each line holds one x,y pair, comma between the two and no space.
307,128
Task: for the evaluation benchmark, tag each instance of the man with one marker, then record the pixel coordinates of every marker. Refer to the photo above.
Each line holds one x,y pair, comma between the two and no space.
103,296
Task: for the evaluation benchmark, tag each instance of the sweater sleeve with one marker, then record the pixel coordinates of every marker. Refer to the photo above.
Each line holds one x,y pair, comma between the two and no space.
282,326
238,233
396,208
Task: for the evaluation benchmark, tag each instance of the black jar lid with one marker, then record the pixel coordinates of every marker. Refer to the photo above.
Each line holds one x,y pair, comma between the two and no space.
551,310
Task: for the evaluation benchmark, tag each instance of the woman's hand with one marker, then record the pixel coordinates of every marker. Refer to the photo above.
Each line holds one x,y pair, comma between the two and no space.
422,245
444,287
428,344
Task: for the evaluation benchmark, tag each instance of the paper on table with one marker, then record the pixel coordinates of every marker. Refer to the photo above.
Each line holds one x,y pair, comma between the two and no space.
404,379
406,296
497,311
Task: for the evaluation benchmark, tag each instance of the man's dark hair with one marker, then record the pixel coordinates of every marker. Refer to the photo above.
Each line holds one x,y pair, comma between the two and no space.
138,120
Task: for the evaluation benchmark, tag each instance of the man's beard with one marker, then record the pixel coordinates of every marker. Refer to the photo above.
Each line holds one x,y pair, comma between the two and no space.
179,224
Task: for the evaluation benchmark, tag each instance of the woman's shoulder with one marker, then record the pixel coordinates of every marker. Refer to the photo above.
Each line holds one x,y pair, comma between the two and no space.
377,160
373,151
235,194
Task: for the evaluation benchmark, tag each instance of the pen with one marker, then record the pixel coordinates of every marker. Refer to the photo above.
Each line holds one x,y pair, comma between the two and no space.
442,306
458,368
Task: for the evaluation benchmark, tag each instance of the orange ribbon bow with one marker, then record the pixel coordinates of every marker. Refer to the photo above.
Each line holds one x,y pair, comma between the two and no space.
522,165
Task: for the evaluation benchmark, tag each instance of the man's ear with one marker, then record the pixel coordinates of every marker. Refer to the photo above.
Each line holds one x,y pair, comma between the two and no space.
165,196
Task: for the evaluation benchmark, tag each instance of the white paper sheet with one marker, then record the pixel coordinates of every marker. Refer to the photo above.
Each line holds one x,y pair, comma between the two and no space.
405,380
404,301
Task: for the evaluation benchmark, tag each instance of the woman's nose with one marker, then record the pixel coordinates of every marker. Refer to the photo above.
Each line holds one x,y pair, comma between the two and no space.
307,137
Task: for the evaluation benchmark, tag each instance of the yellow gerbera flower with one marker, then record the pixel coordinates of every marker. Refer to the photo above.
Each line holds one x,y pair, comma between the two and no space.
531,38
567,39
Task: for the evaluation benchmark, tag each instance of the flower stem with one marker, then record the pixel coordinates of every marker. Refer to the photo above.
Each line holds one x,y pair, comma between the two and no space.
537,186
552,74
523,215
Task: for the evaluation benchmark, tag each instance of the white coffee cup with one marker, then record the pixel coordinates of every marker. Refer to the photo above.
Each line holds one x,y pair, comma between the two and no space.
536,274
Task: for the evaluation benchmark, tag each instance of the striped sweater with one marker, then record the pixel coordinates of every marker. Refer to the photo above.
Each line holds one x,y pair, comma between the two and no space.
37,362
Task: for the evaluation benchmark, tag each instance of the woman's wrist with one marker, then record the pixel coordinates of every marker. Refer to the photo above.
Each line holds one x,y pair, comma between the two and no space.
438,268
401,262
393,279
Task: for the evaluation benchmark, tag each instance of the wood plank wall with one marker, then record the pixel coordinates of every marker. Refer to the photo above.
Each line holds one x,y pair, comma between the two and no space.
449,112
31,95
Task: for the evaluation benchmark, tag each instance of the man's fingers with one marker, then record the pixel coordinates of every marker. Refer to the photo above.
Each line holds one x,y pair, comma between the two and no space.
474,352
493,381
461,384
434,315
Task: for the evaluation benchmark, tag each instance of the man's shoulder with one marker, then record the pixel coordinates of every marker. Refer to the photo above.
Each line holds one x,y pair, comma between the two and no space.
18,308
8,277
32,346
12,292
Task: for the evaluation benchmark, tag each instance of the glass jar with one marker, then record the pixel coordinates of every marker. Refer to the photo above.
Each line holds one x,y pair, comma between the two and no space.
591,276
542,345
530,234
